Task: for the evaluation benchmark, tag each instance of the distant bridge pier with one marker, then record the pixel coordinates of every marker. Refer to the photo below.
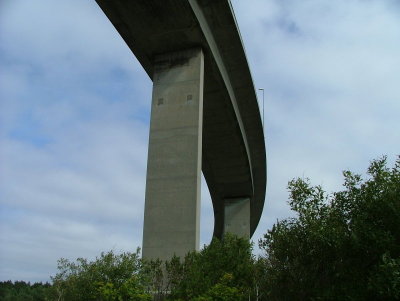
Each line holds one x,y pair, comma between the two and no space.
172,206
237,217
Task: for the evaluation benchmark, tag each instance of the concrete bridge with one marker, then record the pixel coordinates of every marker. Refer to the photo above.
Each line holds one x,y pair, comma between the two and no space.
204,116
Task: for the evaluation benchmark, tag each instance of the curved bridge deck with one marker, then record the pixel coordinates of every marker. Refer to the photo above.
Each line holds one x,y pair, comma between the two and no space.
233,148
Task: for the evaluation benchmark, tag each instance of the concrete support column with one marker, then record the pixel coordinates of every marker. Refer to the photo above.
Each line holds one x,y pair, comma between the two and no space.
237,217
172,208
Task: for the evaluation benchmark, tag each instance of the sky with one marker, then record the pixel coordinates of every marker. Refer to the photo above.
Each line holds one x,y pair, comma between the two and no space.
75,109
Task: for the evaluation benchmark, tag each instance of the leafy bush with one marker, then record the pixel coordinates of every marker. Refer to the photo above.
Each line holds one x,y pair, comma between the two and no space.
23,291
205,272
343,246
109,277
340,246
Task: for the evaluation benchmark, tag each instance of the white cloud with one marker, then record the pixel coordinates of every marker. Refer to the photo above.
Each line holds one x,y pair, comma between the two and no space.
330,73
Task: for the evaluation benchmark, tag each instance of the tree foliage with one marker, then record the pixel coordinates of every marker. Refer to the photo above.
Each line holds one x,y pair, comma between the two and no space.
23,291
221,271
224,267
340,246
224,290
108,277
343,246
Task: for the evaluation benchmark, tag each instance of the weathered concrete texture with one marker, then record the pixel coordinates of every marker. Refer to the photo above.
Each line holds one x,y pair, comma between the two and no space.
172,208
237,217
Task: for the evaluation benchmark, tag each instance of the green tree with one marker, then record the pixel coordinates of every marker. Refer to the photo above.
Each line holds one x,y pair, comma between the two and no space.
20,290
109,277
201,273
224,290
224,270
154,279
342,246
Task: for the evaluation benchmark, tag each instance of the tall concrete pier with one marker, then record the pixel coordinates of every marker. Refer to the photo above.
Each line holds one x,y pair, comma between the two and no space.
172,207
204,117
237,217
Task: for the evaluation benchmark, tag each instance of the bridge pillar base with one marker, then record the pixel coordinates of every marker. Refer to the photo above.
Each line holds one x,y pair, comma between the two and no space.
237,217
172,205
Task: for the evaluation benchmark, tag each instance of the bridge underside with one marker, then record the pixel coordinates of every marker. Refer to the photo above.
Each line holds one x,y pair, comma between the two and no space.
232,156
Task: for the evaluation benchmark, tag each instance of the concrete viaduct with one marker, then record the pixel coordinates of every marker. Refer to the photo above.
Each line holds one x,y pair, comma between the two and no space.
204,117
